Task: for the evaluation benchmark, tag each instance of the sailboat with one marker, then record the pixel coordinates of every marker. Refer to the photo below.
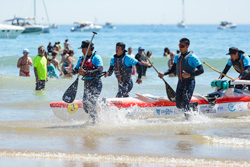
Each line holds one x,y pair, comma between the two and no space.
182,24
25,23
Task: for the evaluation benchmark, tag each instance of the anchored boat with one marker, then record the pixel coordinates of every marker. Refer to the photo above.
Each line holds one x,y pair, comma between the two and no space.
226,101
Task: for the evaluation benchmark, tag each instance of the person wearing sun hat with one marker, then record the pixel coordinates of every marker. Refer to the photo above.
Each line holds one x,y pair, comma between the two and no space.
121,64
240,62
23,63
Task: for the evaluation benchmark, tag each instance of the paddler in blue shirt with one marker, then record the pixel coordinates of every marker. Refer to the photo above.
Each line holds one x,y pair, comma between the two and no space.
122,64
186,65
241,63
92,69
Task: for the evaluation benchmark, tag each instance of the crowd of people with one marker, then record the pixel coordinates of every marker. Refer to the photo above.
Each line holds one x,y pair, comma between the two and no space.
184,64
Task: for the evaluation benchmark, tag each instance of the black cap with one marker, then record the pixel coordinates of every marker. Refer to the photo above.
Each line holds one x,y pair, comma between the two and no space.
233,50
122,45
85,44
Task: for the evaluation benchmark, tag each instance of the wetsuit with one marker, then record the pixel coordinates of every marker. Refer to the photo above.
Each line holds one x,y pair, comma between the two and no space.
141,57
122,67
92,83
241,65
190,63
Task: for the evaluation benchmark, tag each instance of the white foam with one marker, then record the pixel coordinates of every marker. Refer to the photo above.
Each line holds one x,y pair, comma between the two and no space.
233,142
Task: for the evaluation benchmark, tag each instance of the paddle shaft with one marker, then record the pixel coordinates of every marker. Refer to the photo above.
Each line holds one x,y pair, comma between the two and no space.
86,54
217,71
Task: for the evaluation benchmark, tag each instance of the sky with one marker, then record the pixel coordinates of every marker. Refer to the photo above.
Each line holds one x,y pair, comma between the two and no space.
129,11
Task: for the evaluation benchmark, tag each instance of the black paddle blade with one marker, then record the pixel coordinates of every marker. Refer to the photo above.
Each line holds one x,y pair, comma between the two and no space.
70,94
170,92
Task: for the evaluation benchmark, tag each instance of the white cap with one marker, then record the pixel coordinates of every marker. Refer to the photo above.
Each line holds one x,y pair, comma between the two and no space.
26,51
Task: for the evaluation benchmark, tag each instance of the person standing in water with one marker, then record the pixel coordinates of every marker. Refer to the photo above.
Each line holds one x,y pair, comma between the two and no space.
122,65
187,65
23,63
130,50
143,60
40,68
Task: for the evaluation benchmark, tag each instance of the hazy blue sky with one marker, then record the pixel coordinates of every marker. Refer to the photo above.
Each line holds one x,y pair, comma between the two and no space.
130,11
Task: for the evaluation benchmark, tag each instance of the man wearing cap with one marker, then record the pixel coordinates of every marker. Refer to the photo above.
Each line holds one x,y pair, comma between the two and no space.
143,60
241,63
91,72
23,63
187,66
121,64
40,68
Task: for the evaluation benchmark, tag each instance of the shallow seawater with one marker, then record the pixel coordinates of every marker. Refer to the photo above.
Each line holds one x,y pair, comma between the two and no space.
31,135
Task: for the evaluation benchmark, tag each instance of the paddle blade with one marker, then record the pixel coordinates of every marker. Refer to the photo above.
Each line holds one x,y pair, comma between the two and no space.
70,94
170,92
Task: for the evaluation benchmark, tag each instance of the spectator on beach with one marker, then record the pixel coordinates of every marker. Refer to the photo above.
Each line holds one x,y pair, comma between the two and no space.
40,68
49,48
68,64
187,66
59,46
166,52
149,54
130,50
23,63
143,60
55,62
51,69
67,45
121,64
171,63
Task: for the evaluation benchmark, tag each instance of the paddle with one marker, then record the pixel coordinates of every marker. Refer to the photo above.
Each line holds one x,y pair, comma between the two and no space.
217,71
170,92
70,94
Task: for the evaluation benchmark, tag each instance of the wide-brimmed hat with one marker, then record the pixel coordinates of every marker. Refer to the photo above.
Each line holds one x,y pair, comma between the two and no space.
232,50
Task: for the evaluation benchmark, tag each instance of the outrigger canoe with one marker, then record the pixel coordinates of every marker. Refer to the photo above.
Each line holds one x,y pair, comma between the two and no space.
225,101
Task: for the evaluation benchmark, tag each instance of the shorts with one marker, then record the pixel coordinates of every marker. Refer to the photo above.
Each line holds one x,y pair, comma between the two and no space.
40,85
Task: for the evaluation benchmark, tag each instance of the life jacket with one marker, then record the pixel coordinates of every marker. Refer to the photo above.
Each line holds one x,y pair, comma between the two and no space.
88,65
238,64
122,72
182,64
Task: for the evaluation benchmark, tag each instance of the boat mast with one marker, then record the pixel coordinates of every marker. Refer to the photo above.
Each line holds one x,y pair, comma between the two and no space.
46,12
35,11
183,12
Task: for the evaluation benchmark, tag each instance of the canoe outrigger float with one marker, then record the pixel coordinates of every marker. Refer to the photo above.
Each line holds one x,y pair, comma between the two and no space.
226,101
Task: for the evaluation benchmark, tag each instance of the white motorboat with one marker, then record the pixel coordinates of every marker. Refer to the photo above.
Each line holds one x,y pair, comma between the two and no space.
109,25
225,24
9,31
85,26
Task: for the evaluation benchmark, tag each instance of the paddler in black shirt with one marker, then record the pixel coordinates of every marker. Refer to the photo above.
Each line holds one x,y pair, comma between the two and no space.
122,65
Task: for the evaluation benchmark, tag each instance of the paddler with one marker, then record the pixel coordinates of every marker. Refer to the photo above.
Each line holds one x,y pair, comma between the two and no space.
186,65
122,65
241,63
92,69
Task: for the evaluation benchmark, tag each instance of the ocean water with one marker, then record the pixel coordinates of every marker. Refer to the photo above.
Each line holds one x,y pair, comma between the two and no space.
31,135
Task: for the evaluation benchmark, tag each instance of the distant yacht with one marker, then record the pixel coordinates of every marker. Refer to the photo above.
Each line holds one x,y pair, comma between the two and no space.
109,25
85,26
182,24
225,24
24,22
9,31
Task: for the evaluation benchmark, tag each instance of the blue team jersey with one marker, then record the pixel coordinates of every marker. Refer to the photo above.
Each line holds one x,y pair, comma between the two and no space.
193,60
128,61
246,61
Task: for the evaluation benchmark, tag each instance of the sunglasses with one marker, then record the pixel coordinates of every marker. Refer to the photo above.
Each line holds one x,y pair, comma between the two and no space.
42,50
181,46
